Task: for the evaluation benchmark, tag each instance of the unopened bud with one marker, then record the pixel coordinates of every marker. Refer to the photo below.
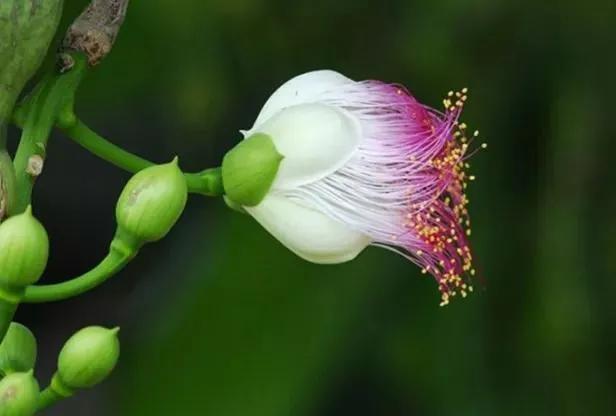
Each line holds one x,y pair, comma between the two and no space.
88,357
19,394
24,248
151,202
17,350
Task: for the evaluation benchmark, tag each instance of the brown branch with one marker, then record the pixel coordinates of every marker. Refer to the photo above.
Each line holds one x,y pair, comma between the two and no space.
96,29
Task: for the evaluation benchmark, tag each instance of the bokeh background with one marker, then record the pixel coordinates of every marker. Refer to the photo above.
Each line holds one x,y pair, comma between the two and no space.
220,319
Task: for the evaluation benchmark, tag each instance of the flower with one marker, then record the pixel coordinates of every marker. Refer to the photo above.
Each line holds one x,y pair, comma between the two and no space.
363,163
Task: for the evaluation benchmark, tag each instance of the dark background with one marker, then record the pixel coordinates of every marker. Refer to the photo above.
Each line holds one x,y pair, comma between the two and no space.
220,319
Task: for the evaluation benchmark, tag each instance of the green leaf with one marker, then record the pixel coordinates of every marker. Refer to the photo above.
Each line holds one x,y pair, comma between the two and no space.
26,29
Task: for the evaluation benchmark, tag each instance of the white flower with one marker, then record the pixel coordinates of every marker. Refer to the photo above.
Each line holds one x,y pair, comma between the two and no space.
364,163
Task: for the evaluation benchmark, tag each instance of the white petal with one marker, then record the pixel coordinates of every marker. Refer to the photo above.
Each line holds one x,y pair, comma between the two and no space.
315,140
304,88
308,233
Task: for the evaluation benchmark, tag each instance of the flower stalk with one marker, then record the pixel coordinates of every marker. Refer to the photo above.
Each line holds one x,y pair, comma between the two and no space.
207,182
39,113
117,258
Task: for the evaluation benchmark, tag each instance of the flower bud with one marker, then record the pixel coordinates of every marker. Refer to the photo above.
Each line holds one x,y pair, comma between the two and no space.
19,393
24,248
88,357
151,202
17,350
249,169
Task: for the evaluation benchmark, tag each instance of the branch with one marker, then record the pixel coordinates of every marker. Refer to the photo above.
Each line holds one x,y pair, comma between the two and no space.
96,29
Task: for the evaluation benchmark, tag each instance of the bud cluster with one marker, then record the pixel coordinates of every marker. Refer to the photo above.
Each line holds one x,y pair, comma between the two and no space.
85,360
148,207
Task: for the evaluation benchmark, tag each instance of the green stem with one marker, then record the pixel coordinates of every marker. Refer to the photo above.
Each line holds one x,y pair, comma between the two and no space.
120,254
8,306
87,138
3,125
52,394
47,398
207,182
39,114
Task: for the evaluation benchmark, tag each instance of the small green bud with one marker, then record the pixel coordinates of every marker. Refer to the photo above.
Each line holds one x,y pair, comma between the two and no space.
24,248
249,169
152,201
19,393
17,350
88,357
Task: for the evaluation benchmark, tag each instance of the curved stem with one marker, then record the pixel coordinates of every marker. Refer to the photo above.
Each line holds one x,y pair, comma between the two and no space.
118,257
207,182
89,139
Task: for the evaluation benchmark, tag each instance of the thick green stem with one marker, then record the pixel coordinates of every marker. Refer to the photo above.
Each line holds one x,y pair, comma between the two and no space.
48,397
120,254
207,182
8,306
39,114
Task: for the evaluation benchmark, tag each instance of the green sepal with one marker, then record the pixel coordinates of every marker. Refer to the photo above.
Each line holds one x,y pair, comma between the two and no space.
249,169
17,350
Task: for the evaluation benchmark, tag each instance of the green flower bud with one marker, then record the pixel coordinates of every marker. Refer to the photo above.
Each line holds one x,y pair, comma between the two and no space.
249,169
152,201
24,248
88,357
17,350
19,393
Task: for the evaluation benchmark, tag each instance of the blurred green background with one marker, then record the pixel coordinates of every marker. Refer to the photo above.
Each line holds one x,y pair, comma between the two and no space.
220,319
